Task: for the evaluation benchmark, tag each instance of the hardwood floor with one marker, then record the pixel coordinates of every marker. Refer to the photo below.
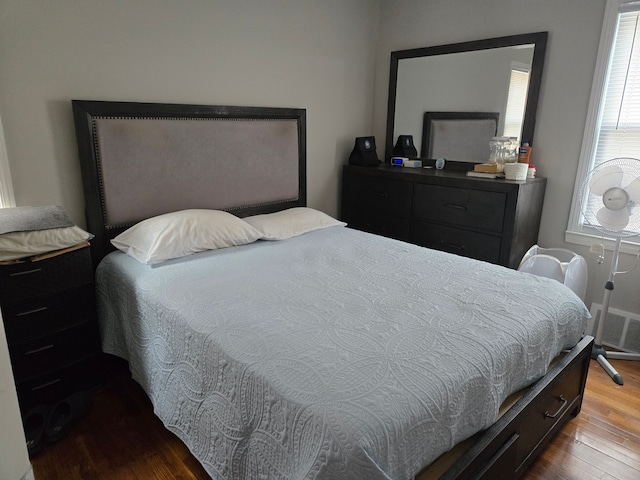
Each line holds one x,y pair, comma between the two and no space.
122,439
603,441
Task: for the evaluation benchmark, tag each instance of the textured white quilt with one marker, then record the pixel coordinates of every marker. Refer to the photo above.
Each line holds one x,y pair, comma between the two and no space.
333,355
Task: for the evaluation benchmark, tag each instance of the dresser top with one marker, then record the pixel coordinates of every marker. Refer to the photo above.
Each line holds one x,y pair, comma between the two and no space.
428,175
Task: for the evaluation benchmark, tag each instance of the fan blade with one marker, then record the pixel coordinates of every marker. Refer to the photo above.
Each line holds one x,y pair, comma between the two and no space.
614,220
633,189
605,179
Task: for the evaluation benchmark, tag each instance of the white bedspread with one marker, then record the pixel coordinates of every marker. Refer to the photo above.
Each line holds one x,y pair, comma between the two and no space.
334,355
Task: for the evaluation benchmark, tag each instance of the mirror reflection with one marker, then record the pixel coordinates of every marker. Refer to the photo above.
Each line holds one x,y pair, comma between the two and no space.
481,81
494,75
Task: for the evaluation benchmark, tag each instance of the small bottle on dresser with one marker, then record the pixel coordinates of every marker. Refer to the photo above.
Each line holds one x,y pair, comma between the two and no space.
524,153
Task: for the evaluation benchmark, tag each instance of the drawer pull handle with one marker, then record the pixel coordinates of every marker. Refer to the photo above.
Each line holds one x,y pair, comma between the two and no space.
379,193
38,350
549,415
452,246
26,272
45,385
29,312
455,206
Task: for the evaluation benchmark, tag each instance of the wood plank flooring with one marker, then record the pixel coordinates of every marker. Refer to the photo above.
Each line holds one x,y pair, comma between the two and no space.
603,441
122,439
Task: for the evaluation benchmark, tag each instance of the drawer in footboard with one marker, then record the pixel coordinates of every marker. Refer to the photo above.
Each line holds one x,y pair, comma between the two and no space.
544,416
508,447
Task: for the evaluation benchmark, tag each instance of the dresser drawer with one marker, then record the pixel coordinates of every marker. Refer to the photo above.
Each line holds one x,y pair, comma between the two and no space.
385,225
463,207
29,319
366,194
44,354
505,216
20,281
455,240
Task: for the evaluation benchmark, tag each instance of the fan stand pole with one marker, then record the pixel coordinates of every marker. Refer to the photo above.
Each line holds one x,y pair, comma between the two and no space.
598,352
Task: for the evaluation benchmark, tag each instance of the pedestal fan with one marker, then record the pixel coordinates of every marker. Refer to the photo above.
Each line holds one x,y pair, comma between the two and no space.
610,198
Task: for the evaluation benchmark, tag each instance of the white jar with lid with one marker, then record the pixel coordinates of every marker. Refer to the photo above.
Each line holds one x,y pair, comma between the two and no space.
531,172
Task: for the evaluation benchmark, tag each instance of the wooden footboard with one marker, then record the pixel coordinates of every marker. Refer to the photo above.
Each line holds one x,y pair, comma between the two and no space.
509,446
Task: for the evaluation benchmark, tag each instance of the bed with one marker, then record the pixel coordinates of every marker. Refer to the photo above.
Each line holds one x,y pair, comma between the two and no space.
311,350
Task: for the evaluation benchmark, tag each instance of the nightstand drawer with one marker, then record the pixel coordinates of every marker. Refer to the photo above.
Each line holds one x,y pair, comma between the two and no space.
54,351
372,194
57,384
464,207
458,241
20,281
30,319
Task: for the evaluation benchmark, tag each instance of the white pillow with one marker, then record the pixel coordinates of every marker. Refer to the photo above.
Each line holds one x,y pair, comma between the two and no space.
14,245
177,234
291,223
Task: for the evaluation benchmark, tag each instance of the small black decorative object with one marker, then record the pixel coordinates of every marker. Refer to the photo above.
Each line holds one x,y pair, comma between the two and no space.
404,147
364,152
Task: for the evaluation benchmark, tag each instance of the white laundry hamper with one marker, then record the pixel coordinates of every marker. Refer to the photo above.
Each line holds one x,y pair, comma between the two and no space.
562,265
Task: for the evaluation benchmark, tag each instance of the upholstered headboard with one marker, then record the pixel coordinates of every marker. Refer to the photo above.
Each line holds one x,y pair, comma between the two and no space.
139,160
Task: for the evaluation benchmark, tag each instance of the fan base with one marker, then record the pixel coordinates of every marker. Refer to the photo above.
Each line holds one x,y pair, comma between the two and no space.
612,372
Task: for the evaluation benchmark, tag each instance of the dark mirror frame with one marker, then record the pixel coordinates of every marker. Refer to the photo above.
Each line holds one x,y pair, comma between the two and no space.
538,39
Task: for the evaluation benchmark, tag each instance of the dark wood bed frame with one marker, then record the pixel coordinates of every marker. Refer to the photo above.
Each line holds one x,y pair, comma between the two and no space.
502,451
229,161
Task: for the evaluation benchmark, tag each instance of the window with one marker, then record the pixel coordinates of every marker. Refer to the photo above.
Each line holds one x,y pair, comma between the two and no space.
516,100
6,189
613,120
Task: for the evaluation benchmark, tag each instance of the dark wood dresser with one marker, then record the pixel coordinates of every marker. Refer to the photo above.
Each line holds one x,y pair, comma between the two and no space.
494,220
49,314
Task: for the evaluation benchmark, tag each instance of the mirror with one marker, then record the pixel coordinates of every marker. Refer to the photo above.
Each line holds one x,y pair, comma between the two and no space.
463,77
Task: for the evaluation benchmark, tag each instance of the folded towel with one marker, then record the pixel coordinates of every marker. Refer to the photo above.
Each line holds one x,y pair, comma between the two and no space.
23,219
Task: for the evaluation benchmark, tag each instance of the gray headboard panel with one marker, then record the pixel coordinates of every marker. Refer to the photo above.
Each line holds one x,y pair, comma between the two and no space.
139,160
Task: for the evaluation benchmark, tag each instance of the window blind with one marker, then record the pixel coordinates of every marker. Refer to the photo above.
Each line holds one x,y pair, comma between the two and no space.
516,101
619,130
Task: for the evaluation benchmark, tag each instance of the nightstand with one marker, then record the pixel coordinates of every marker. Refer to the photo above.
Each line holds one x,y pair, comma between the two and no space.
49,314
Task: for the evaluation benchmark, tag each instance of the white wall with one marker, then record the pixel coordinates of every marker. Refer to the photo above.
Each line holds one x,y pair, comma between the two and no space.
574,32
14,460
278,53
452,88
311,54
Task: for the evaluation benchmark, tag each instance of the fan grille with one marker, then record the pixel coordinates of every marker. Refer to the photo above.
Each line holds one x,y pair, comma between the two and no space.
628,170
